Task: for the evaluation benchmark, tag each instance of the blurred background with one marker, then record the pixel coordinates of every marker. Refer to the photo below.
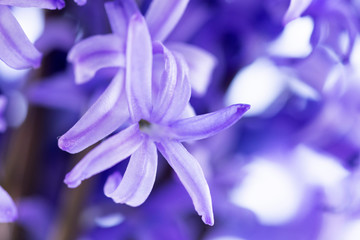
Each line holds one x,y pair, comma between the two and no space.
289,169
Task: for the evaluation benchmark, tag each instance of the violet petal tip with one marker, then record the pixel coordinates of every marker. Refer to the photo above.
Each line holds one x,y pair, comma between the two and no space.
71,183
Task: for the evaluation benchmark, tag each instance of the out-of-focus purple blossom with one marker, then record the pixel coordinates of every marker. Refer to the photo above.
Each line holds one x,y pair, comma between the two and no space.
35,217
8,211
161,216
335,24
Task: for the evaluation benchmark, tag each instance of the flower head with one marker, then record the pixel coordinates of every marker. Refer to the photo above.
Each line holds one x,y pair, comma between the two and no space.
158,93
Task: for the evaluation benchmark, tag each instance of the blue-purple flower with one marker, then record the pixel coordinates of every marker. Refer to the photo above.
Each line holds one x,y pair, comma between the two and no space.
158,92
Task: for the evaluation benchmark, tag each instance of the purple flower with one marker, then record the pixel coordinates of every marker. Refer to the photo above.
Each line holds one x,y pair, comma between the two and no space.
103,51
158,92
8,212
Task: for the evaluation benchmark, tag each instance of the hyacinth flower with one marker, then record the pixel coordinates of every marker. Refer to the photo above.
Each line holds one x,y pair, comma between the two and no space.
158,92
104,51
8,212
161,18
16,50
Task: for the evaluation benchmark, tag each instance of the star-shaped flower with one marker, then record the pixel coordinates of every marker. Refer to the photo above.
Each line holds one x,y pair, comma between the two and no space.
103,51
158,92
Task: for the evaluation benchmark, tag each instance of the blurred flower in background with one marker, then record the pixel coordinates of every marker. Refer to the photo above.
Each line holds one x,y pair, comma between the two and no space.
288,169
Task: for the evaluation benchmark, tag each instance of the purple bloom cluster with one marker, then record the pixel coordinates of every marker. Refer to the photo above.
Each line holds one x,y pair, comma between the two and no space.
135,106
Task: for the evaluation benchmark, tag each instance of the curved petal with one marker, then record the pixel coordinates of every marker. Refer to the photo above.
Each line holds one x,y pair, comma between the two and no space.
103,117
296,8
163,16
16,50
139,69
138,179
48,4
201,65
165,83
106,155
207,125
95,53
192,177
8,212
112,183
119,14
182,93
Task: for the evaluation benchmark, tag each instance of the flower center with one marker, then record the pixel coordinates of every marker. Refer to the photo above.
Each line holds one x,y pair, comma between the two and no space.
155,131
144,124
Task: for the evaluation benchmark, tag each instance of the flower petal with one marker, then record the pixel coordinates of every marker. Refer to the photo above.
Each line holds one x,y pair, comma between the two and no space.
191,175
182,93
103,117
201,65
112,183
106,155
165,82
8,212
138,68
16,50
119,14
207,125
296,8
138,179
163,16
48,4
95,53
